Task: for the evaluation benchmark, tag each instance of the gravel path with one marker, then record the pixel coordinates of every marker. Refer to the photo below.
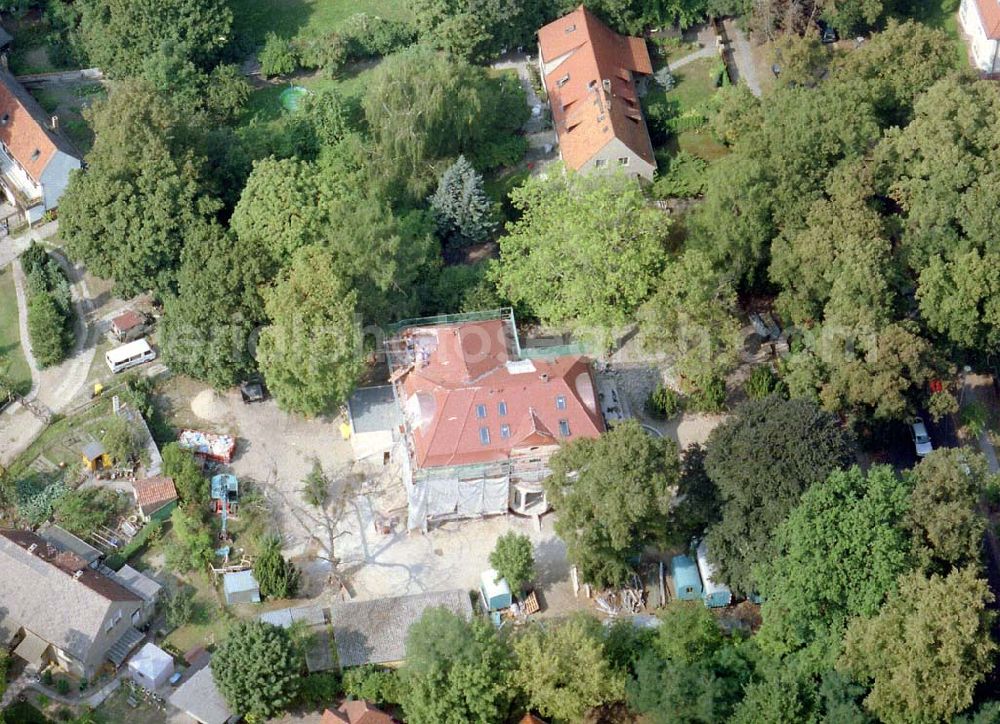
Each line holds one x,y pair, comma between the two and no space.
706,52
743,58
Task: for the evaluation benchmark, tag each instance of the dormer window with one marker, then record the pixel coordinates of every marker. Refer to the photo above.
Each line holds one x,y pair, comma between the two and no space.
564,428
505,431
562,81
481,411
570,29
560,402
484,435
502,408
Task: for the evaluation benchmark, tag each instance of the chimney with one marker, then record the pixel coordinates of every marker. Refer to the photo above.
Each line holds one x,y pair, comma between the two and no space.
545,376
76,576
54,122
607,85
32,547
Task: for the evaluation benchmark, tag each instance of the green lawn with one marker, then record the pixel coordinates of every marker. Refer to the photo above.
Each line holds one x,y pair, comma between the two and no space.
695,84
10,336
255,18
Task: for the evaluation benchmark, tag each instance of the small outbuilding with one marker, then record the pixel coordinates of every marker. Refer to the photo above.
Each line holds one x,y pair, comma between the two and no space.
494,591
151,667
687,584
241,587
95,457
156,497
200,699
717,595
375,421
128,326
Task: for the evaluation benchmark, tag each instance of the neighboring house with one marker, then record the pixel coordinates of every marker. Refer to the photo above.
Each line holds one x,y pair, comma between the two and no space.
156,497
374,632
35,161
62,611
375,422
143,586
356,711
66,541
981,21
590,77
129,326
200,699
482,418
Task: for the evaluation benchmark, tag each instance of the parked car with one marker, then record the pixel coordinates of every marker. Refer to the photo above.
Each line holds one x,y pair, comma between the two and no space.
921,440
827,34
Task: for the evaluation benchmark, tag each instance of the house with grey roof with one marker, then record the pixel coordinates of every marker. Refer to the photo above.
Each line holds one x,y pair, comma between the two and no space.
200,699
374,632
62,611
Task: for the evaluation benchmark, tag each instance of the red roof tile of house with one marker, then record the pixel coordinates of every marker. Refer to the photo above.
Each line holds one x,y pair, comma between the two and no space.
153,493
989,14
469,400
592,88
356,712
530,718
21,131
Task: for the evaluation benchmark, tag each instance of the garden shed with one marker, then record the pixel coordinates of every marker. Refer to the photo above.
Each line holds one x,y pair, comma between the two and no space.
717,595
687,584
241,587
494,591
375,422
95,457
151,667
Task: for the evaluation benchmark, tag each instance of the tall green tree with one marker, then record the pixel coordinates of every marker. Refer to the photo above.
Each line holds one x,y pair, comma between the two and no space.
926,650
127,215
257,669
179,464
563,671
761,460
612,497
960,299
691,319
310,354
192,546
456,671
944,517
587,249
118,36
277,577
840,552
512,559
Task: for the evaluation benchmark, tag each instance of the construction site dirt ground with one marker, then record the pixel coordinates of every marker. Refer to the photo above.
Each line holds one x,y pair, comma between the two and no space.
276,451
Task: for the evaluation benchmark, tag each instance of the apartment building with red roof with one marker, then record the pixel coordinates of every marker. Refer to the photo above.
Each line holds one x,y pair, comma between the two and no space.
35,161
482,418
590,73
981,21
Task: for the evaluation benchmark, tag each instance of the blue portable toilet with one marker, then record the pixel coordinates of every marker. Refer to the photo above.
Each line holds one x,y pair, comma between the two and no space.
687,584
716,594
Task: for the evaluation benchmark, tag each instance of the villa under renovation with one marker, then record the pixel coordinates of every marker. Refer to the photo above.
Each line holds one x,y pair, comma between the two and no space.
481,417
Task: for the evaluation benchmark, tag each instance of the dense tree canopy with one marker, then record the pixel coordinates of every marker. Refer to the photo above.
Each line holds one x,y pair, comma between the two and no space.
840,552
762,460
612,496
129,213
456,671
927,649
586,250
257,669
562,670
119,36
310,353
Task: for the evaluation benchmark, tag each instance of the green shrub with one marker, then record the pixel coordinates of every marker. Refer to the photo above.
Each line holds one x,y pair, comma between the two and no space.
277,57
319,689
36,497
663,403
762,382
380,686
47,677
710,397
974,418
63,686
992,493
683,176
150,532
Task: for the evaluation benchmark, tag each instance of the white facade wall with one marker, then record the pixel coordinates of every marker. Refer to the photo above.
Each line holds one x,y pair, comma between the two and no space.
985,52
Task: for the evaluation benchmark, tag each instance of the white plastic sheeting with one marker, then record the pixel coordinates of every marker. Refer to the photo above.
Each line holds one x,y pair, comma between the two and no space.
449,497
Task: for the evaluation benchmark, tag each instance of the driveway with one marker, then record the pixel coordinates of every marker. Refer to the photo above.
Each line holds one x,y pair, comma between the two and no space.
742,57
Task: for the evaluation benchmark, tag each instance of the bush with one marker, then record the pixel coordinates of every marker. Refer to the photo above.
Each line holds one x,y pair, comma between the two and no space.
711,397
63,686
50,306
149,533
370,36
379,686
761,383
36,498
178,607
277,57
319,689
974,418
663,403
683,176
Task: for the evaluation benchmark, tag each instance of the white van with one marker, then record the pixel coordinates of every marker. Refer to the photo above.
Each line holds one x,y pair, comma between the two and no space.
129,355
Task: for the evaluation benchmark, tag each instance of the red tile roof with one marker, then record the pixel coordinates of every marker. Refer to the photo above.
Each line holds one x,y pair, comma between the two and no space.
127,320
356,712
153,493
21,130
597,99
469,400
989,14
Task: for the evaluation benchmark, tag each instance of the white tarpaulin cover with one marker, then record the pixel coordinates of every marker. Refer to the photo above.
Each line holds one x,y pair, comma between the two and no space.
451,497
151,667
